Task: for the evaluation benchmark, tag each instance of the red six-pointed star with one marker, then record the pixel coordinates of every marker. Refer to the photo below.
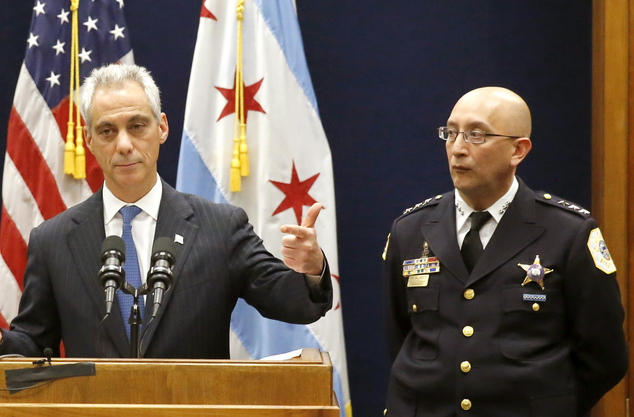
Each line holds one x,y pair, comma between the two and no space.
249,99
296,194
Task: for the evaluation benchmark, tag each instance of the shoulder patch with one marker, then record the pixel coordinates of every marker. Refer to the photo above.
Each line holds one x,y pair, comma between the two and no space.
560,202
600,253
427,203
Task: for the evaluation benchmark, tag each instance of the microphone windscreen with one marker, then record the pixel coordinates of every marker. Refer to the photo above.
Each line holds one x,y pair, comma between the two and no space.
163,244
113,242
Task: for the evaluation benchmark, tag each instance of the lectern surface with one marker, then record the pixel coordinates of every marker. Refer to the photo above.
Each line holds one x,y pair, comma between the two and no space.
300,387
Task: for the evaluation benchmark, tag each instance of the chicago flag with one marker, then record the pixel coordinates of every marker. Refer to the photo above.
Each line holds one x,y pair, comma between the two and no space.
34,186
290,160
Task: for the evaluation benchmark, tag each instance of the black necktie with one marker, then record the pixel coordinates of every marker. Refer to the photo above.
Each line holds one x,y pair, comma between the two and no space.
472,245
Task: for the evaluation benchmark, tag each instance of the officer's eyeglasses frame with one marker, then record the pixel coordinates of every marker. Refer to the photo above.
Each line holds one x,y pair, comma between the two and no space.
471,136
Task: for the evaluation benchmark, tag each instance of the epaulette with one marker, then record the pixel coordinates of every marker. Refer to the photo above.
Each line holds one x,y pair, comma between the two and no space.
561,203
427,203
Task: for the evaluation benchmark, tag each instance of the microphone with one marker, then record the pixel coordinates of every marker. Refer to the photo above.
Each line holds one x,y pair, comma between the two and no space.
48,352
160,276
111,275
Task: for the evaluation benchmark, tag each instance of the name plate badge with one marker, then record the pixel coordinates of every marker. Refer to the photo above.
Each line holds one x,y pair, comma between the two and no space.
418,280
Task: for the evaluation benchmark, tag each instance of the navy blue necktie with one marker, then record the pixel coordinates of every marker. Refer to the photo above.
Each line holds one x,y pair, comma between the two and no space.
131,266
472,245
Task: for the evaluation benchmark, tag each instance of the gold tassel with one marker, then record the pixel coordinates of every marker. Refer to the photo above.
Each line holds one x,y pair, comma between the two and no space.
240,160
80,152
80,155
69,151
244,151
235,182
73,164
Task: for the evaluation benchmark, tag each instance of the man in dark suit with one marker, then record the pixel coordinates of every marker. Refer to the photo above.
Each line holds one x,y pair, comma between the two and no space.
218,256
513,311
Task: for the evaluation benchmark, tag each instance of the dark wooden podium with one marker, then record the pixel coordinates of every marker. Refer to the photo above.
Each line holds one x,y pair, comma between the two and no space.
299,387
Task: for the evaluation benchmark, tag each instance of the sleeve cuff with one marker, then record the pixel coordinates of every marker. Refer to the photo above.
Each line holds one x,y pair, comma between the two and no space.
315,282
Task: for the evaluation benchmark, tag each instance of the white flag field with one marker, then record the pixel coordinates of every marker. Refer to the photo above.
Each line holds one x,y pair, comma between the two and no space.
289,157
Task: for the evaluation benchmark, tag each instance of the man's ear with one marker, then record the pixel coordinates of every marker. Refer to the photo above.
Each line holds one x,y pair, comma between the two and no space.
522,148
87,138
164,127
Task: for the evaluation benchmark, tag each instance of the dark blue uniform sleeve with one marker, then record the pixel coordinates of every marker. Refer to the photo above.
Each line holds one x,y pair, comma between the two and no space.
595,314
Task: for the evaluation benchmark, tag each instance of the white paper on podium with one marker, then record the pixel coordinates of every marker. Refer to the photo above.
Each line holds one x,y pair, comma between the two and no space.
284,356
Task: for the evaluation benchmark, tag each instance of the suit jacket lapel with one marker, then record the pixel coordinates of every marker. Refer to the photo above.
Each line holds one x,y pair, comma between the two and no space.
440,233
174,219
517,229
84,242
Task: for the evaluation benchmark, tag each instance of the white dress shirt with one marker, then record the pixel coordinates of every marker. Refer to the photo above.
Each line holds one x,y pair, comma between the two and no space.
497,210
143,225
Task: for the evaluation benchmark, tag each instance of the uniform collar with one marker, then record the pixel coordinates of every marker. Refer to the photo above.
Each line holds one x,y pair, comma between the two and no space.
497,209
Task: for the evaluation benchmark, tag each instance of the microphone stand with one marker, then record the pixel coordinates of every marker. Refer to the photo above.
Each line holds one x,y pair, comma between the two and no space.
135,316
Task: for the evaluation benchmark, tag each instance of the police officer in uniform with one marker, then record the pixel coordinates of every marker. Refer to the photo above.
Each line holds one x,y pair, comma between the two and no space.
501,301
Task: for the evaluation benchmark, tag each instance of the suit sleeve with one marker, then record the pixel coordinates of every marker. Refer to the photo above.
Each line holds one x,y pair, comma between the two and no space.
596,319
37,325
276,291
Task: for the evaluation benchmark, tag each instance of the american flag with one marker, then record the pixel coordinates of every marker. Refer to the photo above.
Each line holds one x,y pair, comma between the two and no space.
34,186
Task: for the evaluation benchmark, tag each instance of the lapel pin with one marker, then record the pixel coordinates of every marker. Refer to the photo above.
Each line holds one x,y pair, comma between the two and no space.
178,239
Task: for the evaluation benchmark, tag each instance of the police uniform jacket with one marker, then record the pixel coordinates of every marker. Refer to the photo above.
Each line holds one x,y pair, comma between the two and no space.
482,344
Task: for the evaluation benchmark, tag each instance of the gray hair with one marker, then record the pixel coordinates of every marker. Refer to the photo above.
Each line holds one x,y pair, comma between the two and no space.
115,75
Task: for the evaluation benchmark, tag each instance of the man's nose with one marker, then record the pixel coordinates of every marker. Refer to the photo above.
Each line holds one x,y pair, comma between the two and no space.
459,145
124,142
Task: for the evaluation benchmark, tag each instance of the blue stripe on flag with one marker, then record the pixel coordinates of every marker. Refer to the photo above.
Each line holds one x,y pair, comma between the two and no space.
193,176
281,19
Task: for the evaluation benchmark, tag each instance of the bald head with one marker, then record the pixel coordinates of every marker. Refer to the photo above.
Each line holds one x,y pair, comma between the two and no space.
483,172
501,107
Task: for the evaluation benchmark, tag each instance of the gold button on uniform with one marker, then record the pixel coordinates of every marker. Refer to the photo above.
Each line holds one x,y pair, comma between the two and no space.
465,404
535,307
385,412
467,331
414,308
469,294
465,366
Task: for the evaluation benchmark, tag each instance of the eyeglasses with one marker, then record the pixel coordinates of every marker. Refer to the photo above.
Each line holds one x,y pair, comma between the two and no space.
471,136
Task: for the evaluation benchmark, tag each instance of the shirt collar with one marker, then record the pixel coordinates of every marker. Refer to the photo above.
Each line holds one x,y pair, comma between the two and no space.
497,209
149,203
